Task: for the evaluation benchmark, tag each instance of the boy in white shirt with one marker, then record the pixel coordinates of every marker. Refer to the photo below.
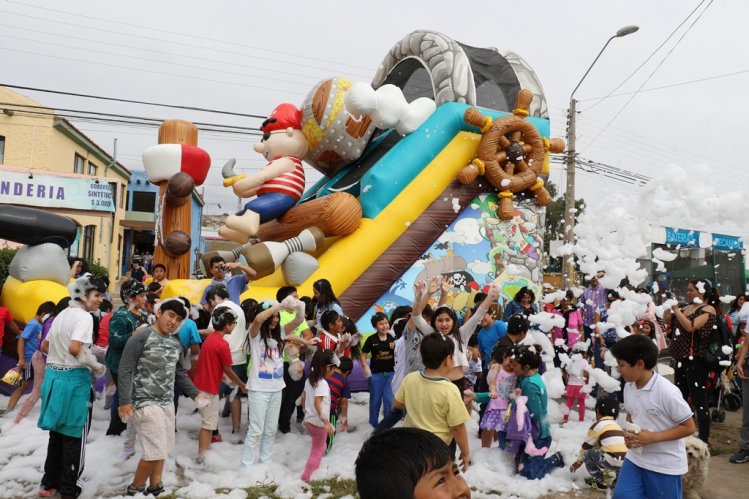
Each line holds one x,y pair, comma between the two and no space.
658,419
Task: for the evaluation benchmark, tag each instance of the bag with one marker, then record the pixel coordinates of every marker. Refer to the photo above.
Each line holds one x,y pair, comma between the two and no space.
718,353
13,376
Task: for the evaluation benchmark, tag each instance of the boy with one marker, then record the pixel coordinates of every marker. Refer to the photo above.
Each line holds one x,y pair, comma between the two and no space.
67,396
381,345
105,311
159,278
148,370
432,401
213,363
28,343
339,395
330,335
124,321
408,463
604,447
659,419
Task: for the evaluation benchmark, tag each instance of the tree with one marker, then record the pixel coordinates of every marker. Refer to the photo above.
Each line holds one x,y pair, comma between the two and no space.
555,222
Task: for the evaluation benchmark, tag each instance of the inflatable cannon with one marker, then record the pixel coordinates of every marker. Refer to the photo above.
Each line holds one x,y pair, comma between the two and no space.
40,270
177,165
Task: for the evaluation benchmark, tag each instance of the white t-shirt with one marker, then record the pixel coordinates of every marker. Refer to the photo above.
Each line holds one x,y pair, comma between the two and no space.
400,364
237,337
265,373
310,413
460,359
658,406
576,372
73,323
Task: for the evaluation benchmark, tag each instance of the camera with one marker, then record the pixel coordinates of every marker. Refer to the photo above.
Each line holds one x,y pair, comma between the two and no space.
222,267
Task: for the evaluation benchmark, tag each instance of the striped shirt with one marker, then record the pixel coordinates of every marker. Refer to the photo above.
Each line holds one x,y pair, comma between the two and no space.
338,389
290,183
609,436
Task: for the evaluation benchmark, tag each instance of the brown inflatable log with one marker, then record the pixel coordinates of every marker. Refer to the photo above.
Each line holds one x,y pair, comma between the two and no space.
506,209
338,214
468,174
174,218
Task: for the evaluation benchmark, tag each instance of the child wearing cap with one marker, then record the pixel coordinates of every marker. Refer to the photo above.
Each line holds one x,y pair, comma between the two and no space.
280,185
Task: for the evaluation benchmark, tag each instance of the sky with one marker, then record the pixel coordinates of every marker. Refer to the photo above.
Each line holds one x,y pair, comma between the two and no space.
247,57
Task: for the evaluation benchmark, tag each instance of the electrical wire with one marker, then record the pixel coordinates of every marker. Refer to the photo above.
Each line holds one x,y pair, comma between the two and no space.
646,59
649,76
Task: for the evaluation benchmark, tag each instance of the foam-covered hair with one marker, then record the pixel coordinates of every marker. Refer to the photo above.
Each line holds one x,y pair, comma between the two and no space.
83,285
222,316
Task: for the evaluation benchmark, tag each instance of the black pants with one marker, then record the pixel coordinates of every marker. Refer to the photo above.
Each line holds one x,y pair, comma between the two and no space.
116,426
290,393
65,459
691,378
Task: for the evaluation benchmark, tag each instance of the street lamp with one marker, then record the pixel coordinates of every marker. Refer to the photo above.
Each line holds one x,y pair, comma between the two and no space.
568,269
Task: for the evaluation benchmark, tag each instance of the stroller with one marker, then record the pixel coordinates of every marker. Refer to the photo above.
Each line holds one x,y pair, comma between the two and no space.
729,394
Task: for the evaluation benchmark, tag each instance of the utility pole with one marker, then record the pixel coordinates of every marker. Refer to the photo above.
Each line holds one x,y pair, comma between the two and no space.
568,265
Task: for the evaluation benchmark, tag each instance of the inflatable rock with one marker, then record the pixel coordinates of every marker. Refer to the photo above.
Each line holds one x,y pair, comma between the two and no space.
42,262
298,267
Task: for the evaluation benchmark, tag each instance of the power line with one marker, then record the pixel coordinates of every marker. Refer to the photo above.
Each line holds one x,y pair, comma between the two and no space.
650,75
647,59
130,101
190,35
183,44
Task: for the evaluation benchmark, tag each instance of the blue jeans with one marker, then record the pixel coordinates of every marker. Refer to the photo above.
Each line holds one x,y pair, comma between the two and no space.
537,467
638,482
390,420
261,431
380,393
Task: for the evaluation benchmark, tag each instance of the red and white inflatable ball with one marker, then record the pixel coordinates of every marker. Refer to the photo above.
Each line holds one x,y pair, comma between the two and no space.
164,160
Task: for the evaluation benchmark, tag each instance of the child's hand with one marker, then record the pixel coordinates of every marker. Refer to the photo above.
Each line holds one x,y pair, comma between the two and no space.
433,285
574,466
329,428
493,395
640,439
464,462
22,363
446,284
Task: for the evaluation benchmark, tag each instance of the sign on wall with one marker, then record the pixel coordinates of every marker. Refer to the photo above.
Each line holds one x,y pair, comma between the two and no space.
56,192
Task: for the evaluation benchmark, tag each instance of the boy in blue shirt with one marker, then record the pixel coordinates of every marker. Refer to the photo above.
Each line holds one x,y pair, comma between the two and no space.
28,343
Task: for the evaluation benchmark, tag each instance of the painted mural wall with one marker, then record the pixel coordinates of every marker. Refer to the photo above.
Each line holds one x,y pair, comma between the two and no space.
476,249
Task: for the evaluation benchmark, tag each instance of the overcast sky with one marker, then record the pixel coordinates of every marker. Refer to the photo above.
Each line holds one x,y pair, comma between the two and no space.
249,56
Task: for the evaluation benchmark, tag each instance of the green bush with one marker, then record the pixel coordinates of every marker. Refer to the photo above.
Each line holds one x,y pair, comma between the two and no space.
98,270
6,255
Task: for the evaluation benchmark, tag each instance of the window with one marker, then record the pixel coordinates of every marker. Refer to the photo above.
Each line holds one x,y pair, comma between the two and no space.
144,201
79,164
91,169
88,242
2,149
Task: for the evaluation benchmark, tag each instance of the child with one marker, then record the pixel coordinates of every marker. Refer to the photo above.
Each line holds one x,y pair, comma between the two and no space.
159,278
475,366
647,328
339,395
604,448
578,374
659,419
381,345
148,370
28,343
66,393
408,463
526,361
501,379
316,403
432,401
265,375
322,291
213,363
331,332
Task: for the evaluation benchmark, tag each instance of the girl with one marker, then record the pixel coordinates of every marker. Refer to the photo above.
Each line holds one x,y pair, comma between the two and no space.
647,328
526,361
501,379
578,374
265,375
446,322
316,403
326,300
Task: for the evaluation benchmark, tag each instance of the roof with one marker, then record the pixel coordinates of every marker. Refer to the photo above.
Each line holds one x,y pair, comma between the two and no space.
84,140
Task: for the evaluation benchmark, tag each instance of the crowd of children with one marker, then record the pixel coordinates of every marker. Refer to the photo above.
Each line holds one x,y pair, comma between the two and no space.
424,365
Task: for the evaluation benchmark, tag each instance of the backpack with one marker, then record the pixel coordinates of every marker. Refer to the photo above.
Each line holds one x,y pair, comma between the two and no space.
719,350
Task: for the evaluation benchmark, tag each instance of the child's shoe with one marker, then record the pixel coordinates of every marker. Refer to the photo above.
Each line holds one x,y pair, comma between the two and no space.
46,492
595,484
133,490
155,490
216,438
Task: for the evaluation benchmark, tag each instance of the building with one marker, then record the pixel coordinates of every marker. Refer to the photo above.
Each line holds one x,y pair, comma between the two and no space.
140,220
47,163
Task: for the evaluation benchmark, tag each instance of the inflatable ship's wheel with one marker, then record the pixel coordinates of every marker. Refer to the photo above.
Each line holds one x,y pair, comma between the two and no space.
502,153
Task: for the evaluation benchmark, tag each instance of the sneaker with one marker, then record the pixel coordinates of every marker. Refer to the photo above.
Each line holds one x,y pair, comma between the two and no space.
560,459
740,457
216,438
46,492
595,484
132,490
155,491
